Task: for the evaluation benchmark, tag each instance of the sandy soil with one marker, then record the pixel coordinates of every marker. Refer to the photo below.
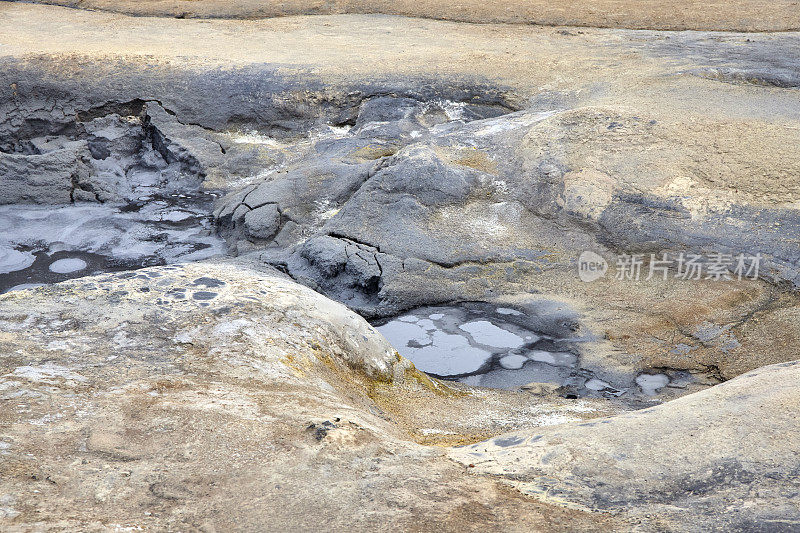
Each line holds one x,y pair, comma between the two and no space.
734,15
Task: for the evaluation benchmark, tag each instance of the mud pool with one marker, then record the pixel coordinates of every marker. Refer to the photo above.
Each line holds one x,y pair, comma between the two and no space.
493,346
48,244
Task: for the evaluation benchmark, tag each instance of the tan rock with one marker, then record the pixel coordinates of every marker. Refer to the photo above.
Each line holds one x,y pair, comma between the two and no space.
701,456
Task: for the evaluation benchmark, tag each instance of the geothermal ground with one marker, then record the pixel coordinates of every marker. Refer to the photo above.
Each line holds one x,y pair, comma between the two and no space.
411,265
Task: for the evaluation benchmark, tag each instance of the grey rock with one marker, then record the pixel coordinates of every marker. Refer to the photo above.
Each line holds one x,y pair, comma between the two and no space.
385,109
466,198
262,222
188,146
351,271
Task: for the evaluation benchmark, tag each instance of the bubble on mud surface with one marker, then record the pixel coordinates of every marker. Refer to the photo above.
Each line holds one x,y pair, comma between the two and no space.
596,385
484,332
513,361
69,265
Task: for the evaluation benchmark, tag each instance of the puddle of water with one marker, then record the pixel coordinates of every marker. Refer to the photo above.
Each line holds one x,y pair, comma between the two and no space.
48,244
68,265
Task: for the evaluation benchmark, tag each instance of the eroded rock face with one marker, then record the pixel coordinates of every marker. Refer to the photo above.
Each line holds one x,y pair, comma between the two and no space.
700,456
101,190
119,154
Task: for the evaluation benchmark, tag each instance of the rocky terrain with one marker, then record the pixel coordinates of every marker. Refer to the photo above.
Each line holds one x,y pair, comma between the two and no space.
227,202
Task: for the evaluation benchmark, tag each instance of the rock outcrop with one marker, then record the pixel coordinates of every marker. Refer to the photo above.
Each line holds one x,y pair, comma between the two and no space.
468,210
737,15
726,457
363,166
